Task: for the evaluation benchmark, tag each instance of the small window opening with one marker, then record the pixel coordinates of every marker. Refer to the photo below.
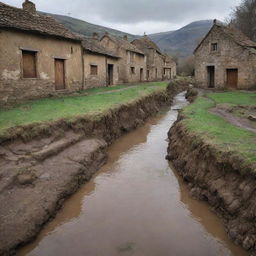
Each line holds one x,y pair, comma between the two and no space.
94,70
132,70
214,47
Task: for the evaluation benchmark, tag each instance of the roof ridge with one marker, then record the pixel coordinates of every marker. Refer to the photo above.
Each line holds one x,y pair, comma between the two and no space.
17,18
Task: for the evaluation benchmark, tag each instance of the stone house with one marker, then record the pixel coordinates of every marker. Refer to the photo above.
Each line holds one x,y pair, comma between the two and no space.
38,56
225,58
132,62
100,65
159,66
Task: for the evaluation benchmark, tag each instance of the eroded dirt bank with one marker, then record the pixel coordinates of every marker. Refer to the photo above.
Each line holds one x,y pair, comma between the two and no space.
41,166
216,177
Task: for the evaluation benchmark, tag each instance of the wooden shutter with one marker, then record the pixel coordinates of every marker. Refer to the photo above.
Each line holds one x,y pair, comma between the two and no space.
29,64
94,70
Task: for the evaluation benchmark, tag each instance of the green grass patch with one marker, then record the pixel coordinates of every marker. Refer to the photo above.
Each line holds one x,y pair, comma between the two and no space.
53,109
215,130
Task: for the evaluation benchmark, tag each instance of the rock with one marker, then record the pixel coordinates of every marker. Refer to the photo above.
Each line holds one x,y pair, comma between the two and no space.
248,243
26,178
252,118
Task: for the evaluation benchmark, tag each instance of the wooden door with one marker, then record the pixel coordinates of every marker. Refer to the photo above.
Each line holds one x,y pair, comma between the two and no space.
59,74
29,64
232,78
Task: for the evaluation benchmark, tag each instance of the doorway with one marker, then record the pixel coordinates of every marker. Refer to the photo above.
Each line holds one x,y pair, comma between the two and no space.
211,76
141,74
110,74
232,78
59,74
148,73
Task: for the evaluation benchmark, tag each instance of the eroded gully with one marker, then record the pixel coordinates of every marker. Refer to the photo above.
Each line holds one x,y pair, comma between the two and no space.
135,205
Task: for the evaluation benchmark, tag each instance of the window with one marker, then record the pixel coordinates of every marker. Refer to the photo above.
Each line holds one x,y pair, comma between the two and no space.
94,70
132,70
29,64
214,47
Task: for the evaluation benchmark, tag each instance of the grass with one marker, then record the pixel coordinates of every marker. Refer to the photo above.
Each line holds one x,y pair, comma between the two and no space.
215,130
53,109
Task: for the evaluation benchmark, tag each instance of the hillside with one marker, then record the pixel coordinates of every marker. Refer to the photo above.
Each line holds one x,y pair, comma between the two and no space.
86,28
183,41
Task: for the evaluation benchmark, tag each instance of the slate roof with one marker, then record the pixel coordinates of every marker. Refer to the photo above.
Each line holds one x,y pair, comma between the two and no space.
234,34
125,44
19,19
92,45
145,43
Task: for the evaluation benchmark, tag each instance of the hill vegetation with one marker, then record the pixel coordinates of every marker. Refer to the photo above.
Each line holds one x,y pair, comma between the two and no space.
181,42
86,28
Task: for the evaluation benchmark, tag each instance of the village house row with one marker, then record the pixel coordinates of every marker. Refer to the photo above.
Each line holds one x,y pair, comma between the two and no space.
40,57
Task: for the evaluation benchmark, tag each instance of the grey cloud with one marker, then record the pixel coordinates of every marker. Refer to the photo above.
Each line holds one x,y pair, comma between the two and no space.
128,13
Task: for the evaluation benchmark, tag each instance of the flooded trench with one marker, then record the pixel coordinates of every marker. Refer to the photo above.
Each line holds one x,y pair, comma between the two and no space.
135,205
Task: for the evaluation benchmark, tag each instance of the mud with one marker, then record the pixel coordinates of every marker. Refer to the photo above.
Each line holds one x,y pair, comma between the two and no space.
135,205
241,122
41,165
220,179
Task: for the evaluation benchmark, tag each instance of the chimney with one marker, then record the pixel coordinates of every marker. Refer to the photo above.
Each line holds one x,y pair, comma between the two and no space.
106,33
125,37
215,21
95,36
29,7
145,35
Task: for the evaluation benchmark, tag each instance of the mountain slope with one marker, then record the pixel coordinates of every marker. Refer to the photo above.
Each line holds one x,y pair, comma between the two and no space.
86,28
183,41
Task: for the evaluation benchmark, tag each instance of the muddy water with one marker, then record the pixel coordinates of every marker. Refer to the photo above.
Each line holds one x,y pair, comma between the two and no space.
135,205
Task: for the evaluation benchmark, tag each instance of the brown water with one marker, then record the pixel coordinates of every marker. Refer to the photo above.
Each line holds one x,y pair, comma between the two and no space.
135,205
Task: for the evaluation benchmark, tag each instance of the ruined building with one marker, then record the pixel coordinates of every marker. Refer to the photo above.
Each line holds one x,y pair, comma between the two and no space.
159,66
37,55
225,58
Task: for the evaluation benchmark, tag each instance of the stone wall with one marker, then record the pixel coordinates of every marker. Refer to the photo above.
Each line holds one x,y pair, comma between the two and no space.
15,88
101,62
127,60
228,56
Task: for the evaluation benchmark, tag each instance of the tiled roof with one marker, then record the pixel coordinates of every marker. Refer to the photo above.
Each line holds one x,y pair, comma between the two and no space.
145,43
125,44
16,18
234,34
237,36
94,46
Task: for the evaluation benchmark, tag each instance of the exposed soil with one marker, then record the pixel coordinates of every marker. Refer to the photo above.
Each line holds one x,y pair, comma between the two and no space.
216,177
235,120
41,165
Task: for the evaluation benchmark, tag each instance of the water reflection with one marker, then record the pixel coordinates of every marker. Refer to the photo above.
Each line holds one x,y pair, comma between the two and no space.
135,205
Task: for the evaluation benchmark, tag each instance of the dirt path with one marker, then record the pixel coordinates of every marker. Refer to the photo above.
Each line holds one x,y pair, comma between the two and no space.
237,121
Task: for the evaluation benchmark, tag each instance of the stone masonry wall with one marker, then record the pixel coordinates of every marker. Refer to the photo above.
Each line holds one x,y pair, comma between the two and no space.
15,88
228,56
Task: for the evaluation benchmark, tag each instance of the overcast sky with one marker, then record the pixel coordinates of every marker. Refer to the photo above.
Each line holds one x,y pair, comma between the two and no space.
137,16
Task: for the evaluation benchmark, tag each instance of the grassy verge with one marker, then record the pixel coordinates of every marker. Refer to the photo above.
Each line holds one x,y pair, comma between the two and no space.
53,109
218,132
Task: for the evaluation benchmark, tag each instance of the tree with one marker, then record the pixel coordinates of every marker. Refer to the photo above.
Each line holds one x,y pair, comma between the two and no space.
186,66
244,18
